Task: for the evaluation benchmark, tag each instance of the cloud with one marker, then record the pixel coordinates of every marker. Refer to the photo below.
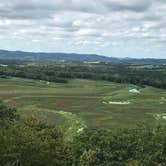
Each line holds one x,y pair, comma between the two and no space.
132,5
84,22
37,9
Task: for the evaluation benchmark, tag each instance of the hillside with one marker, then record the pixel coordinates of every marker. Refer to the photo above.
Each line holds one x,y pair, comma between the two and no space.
41,56
53,56
81,103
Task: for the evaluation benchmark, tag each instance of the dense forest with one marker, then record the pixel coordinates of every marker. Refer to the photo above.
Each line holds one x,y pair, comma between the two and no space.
152,75
31,142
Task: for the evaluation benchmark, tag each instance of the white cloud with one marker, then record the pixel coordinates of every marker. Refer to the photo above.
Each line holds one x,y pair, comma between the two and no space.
84,22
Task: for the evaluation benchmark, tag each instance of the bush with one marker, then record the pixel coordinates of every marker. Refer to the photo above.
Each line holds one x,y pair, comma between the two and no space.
140,146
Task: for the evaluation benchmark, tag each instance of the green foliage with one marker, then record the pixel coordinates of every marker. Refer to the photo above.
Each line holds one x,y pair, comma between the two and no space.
33,146
116,72
129,147
89,158
31,142
7,115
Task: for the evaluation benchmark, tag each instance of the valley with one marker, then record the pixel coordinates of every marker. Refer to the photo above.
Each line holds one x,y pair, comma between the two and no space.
98,103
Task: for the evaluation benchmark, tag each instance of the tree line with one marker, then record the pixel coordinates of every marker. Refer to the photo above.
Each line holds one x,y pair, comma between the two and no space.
31,142
62,72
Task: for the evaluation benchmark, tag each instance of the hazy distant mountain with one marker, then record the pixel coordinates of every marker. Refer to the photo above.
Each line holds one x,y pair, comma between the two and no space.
144,61
20,55
53,56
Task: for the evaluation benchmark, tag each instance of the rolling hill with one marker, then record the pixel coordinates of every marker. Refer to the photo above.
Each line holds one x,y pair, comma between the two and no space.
42,56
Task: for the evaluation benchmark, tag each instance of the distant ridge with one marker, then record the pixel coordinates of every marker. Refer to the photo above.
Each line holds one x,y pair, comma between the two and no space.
53,56
41,56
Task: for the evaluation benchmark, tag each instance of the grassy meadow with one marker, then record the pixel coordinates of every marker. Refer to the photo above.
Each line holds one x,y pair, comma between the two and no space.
85,103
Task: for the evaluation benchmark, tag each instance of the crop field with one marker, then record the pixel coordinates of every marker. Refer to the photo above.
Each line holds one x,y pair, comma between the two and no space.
84,103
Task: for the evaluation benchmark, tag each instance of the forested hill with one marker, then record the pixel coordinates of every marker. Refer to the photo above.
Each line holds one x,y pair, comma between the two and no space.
4,54
144,61
54,56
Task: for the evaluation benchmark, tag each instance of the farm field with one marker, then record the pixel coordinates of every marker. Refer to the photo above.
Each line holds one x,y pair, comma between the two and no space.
85,103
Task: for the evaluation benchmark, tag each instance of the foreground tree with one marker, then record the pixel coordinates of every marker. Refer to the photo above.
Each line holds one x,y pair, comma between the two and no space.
25,146
128,147
31,142
7,115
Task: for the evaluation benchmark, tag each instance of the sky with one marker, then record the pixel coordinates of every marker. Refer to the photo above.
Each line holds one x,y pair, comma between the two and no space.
115,28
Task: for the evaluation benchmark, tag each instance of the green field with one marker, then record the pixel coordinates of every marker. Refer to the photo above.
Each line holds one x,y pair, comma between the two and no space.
82,103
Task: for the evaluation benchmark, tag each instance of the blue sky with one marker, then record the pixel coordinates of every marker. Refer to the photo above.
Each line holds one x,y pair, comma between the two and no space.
118,28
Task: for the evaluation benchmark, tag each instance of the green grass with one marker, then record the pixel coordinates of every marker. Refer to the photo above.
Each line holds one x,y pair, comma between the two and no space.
81,101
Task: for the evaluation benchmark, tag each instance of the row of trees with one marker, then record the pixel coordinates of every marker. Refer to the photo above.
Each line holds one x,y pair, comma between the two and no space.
30,142
121,73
